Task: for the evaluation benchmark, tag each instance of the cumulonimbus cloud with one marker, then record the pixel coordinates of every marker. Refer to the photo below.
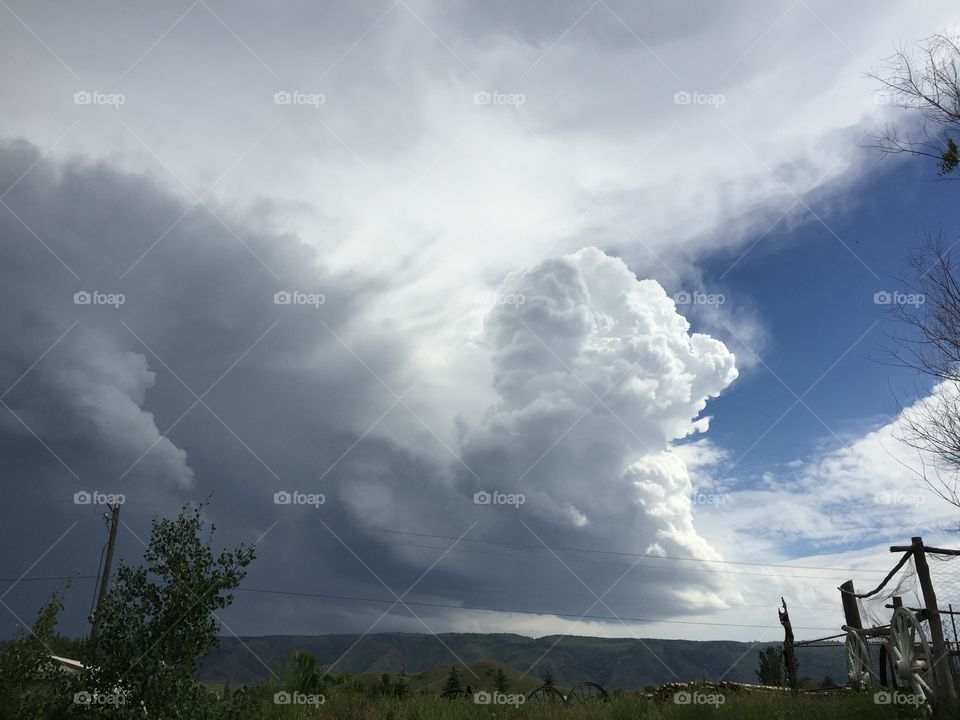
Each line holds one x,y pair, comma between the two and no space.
596,374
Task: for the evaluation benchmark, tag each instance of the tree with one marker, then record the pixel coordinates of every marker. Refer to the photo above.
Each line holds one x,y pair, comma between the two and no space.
453,681
402,685
931,345
548,679
770,666
160,618
926,78
500,683
31,684
304,675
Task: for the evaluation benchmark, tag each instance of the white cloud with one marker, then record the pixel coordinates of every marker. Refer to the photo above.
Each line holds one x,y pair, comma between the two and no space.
596,375
870,488
400,174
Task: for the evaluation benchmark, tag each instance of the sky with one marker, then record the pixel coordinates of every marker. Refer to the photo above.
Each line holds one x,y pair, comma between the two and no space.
460,308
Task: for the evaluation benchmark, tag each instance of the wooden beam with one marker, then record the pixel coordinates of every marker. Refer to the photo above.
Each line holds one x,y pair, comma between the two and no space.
941,551
945,700
851,611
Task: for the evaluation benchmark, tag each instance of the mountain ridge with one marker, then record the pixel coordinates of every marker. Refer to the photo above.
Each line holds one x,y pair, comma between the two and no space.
615,663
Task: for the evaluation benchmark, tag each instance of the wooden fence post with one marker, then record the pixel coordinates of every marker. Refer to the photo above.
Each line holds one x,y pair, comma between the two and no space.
946,694
851,611
789,657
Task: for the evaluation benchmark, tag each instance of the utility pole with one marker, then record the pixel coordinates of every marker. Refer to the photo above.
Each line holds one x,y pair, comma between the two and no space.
107,562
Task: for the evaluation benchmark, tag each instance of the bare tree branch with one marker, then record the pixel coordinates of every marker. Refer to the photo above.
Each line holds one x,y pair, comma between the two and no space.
925,78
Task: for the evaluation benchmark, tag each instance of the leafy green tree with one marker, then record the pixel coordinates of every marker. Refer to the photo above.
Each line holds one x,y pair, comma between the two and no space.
304,675
401,687
500,683
159,619
453,681
770,666
548,679
31,684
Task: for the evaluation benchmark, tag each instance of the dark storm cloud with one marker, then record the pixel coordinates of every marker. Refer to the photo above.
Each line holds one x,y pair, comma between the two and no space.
290,393
197,316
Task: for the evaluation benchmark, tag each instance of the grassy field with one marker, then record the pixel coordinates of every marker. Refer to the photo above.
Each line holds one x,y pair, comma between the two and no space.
479,675
633,706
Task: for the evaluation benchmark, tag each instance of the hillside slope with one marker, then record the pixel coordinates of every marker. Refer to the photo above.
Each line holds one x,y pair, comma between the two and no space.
625,663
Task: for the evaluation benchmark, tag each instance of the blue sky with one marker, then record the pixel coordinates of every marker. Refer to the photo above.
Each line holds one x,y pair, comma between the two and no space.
815,301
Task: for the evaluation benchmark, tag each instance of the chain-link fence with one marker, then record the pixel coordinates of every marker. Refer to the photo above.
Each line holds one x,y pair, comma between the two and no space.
828,662
945,576
822,664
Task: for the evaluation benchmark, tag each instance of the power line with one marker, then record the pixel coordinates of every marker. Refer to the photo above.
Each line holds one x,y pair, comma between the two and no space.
323,596
619,553
51,577
320,595
645,566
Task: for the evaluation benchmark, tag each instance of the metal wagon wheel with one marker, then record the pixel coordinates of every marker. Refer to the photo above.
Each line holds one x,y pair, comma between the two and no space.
911,656
587,692
859,669
453,694
546,694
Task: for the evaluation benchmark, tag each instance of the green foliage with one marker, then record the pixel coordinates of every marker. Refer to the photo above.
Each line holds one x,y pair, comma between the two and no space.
453,681
304,675
950,159
31,684
623,706
401,687
770,666
548,679
159,619
66,646
500,681
382,688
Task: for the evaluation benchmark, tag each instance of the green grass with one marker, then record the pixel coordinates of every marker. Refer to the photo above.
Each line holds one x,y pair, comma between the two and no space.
631,706
478,675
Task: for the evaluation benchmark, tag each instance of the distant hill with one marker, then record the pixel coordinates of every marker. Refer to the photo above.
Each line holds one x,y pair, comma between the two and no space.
624,663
